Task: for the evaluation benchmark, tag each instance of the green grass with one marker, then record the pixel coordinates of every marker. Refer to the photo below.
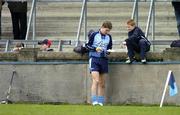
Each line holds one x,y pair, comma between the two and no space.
34,109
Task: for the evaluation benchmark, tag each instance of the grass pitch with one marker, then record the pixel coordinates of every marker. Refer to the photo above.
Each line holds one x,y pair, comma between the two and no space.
34,109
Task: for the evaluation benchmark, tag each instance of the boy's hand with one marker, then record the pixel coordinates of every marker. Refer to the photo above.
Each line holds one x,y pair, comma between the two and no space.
124,43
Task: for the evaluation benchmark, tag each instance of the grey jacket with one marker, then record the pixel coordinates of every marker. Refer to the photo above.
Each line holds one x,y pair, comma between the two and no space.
17,6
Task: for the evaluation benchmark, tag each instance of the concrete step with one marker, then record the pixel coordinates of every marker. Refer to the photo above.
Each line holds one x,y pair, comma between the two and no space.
61,19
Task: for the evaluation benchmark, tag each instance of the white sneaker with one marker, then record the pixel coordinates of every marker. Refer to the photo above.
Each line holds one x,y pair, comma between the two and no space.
95,103
143,61
128,61
101,104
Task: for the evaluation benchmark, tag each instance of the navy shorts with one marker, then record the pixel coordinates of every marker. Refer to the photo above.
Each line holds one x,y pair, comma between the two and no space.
98,64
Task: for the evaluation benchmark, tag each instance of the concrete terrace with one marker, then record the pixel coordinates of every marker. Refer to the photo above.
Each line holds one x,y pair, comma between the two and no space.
59,20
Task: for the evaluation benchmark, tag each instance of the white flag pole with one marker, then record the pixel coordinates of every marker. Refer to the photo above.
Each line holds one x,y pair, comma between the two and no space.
165,87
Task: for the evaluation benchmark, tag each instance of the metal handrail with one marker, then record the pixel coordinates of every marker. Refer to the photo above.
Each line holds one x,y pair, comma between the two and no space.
58,43
149,17
73,42
30,18
135,11
81,20
7,45
32,15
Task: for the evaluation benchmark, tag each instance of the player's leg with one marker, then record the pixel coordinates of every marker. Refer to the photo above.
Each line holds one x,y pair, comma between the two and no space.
101,84
101,89
94,87
94,69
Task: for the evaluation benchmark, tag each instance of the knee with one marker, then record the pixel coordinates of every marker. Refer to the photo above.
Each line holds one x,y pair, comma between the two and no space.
142,42
101,84
95,82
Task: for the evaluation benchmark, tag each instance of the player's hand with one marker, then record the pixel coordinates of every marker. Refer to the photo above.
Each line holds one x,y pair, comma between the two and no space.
99,49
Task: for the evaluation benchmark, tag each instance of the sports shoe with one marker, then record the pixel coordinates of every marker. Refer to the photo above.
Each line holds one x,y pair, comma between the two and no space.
101,104
129,61
95,103
143,61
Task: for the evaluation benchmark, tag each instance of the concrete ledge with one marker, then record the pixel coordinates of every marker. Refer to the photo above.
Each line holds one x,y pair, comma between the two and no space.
121,56
27,55
33,55
8,56
60,56
115,56
171,54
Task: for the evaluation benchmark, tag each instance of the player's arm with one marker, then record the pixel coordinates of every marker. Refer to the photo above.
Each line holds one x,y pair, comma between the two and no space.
90,43
109,47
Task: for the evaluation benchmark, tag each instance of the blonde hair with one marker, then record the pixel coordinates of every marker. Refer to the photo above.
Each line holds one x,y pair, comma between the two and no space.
131,22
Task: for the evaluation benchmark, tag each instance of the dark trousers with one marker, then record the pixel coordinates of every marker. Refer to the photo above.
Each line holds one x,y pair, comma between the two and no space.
0,25
176,6
19,22
140,47
177,13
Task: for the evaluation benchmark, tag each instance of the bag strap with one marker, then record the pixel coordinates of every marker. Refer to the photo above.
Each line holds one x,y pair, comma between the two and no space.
146,39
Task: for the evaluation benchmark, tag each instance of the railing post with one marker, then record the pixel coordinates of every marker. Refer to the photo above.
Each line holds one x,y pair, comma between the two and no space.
153,25
30,19
80,21
85,22
149,18
135,12
60,45
7,45
34,23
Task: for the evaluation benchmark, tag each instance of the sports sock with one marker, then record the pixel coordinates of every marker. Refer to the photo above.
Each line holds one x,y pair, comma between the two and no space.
101,99
93,98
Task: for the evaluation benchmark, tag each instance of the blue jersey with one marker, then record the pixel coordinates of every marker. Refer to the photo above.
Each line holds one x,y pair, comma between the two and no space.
99,40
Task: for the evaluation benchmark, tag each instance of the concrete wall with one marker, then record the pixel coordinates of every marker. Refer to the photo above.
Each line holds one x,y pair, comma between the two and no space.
140,83
56,82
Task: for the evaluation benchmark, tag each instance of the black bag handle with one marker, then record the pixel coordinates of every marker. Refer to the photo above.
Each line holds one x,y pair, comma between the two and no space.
143,37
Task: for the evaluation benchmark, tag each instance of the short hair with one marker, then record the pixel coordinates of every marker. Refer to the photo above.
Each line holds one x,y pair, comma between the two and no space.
107,24
131,22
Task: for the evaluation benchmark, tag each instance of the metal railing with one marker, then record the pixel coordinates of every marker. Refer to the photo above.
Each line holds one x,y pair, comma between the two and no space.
150,20
83,16
59,44
29,43
32,15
